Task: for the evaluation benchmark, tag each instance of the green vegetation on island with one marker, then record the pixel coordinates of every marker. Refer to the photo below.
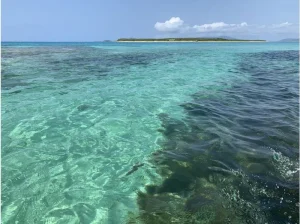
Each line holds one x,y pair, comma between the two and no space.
181,39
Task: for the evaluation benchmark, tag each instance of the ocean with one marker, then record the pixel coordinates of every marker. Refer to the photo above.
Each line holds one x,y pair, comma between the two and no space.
150,133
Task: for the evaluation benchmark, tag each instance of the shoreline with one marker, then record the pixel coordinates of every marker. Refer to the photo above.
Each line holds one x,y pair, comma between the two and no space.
143,41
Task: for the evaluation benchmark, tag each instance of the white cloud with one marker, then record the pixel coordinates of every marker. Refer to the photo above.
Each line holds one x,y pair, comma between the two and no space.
281,25
218,26
172,25
261,26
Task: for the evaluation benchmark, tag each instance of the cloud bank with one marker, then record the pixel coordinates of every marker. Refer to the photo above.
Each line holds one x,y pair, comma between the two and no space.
177,25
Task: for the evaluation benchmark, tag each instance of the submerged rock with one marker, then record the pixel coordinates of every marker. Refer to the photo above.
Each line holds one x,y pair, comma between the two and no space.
160,208
256,168
194,203
82,107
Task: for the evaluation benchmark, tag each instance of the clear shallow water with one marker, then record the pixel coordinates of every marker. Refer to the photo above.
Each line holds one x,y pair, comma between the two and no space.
150,133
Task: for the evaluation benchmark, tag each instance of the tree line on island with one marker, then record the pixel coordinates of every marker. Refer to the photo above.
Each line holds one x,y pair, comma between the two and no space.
181,39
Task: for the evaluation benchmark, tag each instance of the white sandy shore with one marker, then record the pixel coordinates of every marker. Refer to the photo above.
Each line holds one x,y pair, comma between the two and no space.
252,41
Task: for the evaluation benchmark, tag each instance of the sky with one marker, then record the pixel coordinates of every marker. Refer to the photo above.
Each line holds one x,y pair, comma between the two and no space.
97,20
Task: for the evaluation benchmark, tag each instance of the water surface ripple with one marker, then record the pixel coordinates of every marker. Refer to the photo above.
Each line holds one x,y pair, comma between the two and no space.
150,133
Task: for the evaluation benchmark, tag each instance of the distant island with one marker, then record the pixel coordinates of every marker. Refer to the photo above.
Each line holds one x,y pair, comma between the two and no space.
184,40
289,40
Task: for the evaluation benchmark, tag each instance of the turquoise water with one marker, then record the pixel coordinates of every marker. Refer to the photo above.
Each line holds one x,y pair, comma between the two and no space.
150,133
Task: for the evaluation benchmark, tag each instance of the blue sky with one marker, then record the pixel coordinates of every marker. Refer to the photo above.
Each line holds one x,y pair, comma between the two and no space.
94,20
